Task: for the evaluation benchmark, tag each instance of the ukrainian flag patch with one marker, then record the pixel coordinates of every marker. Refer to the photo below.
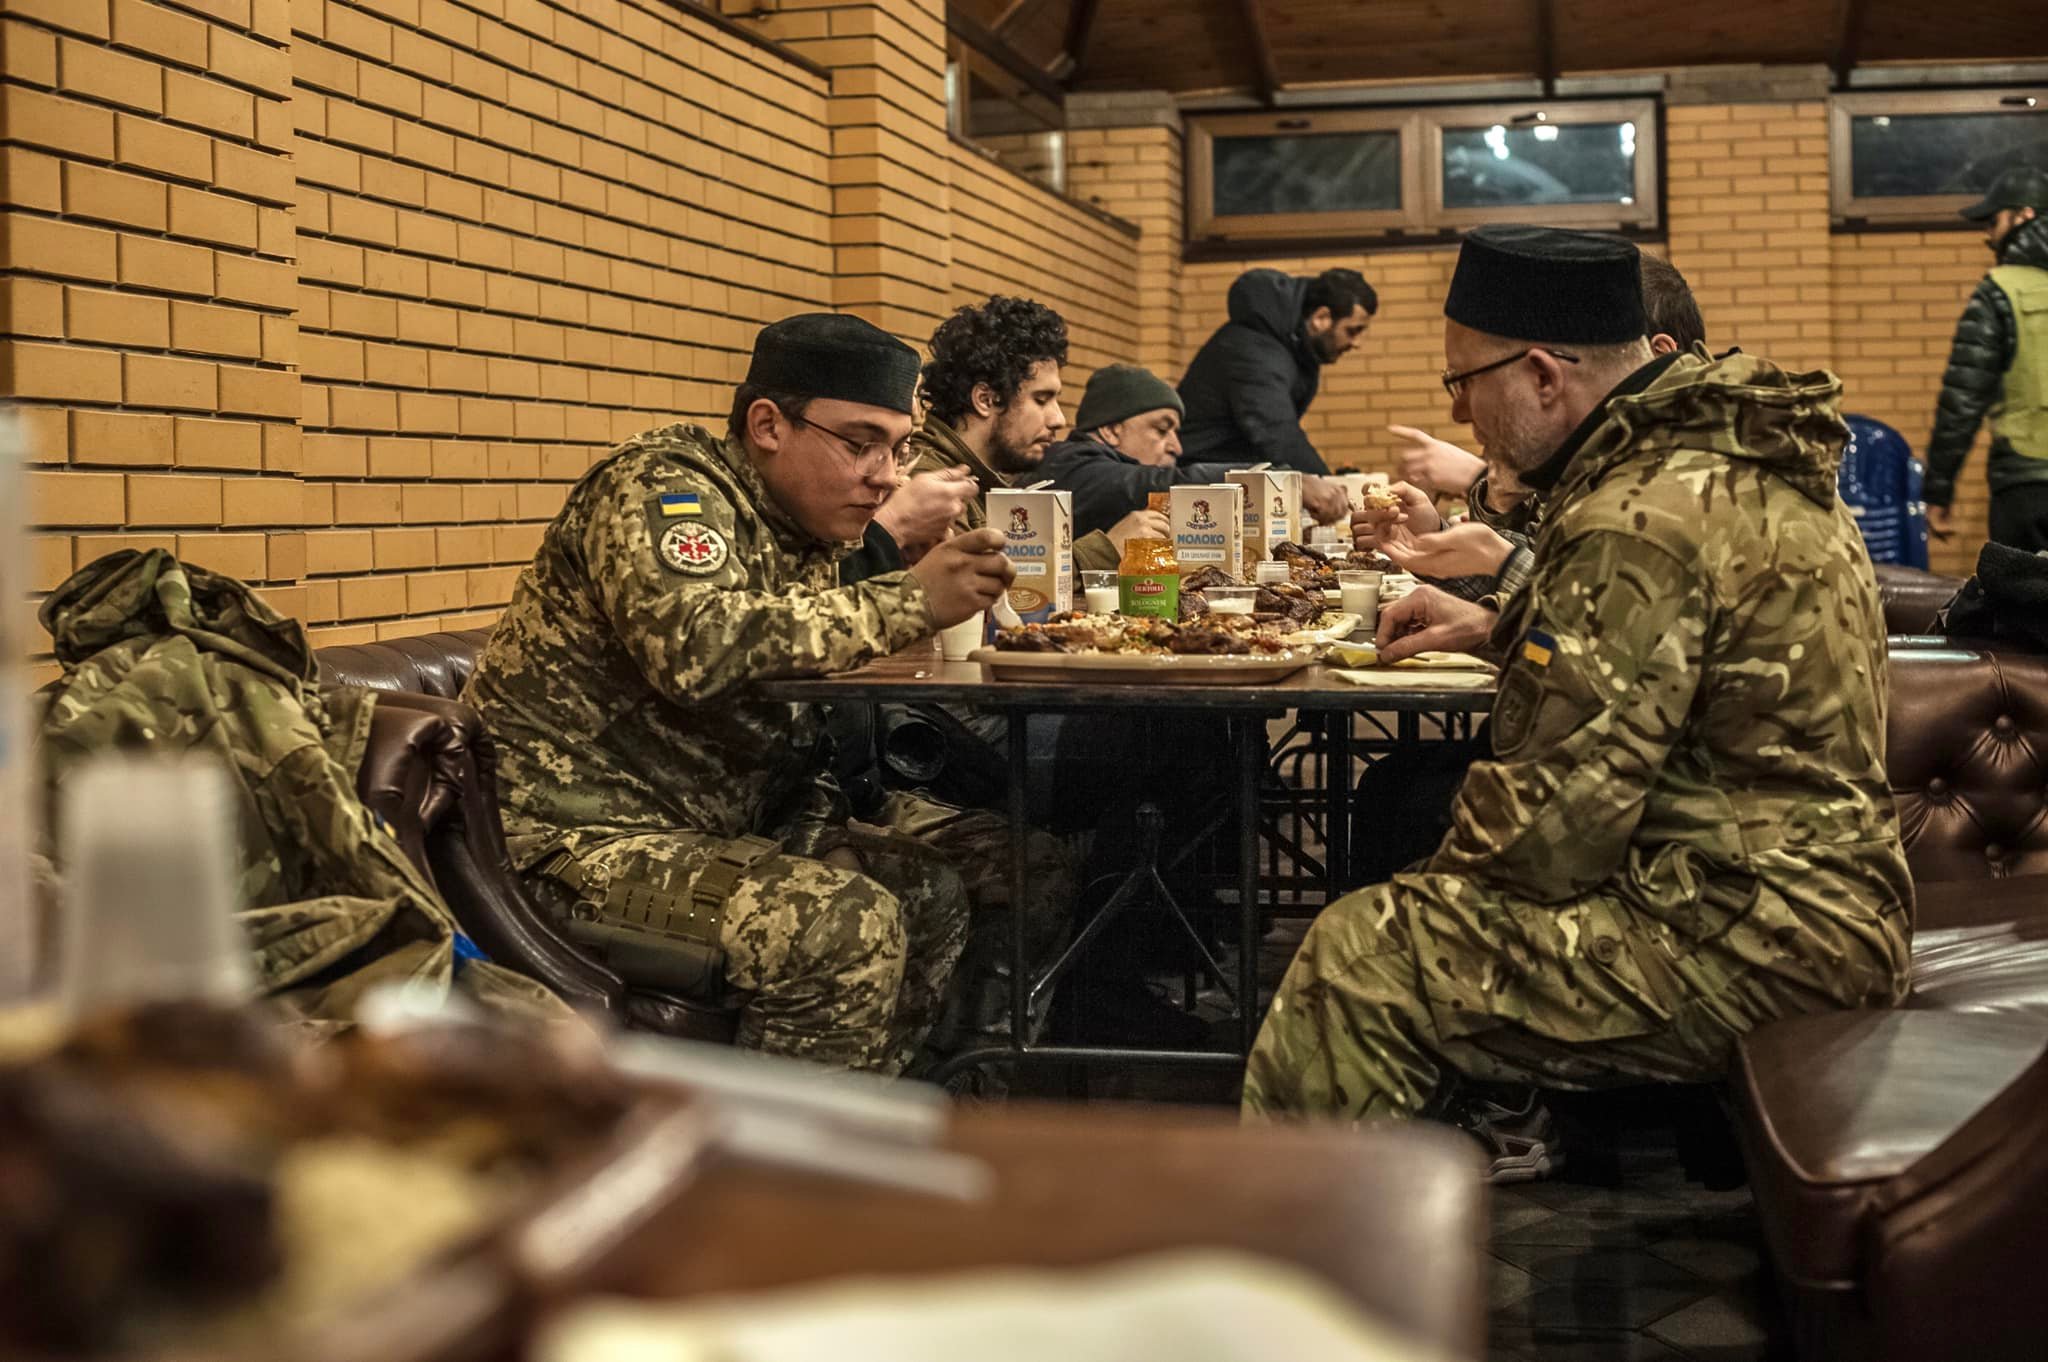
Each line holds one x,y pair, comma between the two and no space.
1538,647
678,503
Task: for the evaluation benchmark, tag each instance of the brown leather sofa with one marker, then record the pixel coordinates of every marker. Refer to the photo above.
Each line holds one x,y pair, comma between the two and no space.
1897,1157
1911,597
432,771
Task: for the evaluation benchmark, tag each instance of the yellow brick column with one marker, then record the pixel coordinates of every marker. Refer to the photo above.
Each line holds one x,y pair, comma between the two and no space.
1124,155
147,315
891,171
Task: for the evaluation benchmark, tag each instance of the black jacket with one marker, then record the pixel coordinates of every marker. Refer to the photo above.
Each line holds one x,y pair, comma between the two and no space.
1247,387
1977,360
1108,486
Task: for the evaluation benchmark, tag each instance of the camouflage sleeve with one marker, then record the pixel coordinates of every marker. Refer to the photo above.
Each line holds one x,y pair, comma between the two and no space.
677,592
1096,552
1593,696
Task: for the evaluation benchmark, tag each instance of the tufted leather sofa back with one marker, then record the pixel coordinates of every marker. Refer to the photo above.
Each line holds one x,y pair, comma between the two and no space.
1967,754
426,664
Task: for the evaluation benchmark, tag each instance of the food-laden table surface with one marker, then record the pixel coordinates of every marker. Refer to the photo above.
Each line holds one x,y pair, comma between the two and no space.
920,674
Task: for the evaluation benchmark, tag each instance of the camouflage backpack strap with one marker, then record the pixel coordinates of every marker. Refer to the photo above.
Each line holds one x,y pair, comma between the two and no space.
649,935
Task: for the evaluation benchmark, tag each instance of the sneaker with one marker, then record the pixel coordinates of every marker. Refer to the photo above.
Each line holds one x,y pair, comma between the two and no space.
1521,1141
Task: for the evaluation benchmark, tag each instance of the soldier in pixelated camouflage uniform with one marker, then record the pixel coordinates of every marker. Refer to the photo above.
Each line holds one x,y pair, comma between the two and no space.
1685,829
689,830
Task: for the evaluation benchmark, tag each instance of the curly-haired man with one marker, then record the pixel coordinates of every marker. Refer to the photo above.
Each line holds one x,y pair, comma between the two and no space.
992,404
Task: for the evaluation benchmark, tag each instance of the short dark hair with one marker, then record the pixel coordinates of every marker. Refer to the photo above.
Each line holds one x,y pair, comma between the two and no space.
791,405
1340,290
1668,304
998,343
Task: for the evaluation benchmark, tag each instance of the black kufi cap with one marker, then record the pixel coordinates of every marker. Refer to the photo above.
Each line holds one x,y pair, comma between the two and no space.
1548,284
830,354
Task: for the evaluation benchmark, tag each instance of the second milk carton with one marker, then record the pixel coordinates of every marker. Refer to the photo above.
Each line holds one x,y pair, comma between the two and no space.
1038,538
1272,510
1208,526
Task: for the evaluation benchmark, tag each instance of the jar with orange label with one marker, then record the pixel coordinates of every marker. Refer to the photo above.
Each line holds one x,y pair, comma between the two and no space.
1148,579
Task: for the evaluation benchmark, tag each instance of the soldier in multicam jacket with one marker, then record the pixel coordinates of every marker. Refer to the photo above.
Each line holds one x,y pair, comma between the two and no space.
1685,829
689,829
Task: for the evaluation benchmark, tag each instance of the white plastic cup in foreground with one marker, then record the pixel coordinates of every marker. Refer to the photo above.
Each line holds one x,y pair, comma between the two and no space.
1359,594
963,638
149,848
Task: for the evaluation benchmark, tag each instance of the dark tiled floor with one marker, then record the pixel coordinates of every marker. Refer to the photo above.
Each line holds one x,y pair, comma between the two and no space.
1652,1267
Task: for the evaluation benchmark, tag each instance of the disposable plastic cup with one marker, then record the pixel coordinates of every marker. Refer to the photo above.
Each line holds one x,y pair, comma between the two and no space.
963,638
149,858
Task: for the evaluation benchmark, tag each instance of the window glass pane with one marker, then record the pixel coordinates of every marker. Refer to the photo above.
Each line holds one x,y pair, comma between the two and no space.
1321,173
1902,155
1500,166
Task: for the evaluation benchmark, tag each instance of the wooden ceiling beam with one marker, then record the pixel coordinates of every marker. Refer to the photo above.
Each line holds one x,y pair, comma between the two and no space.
1545,16
1268,75
1080,27
1012,12
1012,62
1848,39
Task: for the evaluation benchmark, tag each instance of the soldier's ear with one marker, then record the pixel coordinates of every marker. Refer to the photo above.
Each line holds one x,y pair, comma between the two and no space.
764,426
983,399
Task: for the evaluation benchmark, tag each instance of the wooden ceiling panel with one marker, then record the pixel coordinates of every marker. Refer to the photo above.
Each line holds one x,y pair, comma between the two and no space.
1620,35
1190,45
1320,41
1913,30
1167,45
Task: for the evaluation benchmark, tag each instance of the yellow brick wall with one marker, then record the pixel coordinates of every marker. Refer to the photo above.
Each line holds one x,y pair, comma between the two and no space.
1009,236
527,231
146,310
1747,217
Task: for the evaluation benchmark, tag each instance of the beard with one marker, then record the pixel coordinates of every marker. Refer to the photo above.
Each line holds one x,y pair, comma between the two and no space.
1519,442
1324,347
1009,452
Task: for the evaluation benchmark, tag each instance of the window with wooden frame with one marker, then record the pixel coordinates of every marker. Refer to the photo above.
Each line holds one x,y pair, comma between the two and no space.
1017,119
1373,176
1912,159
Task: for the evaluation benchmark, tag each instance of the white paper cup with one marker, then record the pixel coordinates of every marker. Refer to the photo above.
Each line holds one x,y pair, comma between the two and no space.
963,638
150,865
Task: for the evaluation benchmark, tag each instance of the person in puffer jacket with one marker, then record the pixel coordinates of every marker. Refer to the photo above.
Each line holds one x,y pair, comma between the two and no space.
1998,367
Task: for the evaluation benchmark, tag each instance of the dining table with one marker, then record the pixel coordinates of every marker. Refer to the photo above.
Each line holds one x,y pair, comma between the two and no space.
921,674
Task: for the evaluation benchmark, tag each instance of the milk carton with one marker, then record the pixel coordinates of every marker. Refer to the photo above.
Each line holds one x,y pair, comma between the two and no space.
1038,538
1272,510
1208,526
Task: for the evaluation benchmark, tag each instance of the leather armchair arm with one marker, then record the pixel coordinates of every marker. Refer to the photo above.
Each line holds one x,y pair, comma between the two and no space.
465,852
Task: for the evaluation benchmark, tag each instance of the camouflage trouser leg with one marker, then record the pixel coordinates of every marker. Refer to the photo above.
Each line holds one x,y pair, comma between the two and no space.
829,965
1404,984
976,843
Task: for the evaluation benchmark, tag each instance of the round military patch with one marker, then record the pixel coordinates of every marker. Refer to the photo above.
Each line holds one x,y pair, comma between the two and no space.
695,549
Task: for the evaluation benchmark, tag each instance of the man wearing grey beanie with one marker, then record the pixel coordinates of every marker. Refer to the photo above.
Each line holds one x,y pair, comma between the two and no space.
1126,446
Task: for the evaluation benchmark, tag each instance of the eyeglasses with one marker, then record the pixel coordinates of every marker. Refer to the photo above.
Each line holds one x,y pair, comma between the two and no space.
1455,383
867,455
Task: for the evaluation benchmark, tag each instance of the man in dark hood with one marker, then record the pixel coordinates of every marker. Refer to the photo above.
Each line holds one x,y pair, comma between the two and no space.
1998,367
1248,386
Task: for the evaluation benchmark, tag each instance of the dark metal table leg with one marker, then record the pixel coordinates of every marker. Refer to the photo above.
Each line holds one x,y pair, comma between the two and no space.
1020,869
1337,806
1251,754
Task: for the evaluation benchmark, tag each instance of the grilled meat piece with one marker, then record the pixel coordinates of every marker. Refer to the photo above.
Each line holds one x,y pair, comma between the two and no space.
1202,578
1200,639
1306,567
